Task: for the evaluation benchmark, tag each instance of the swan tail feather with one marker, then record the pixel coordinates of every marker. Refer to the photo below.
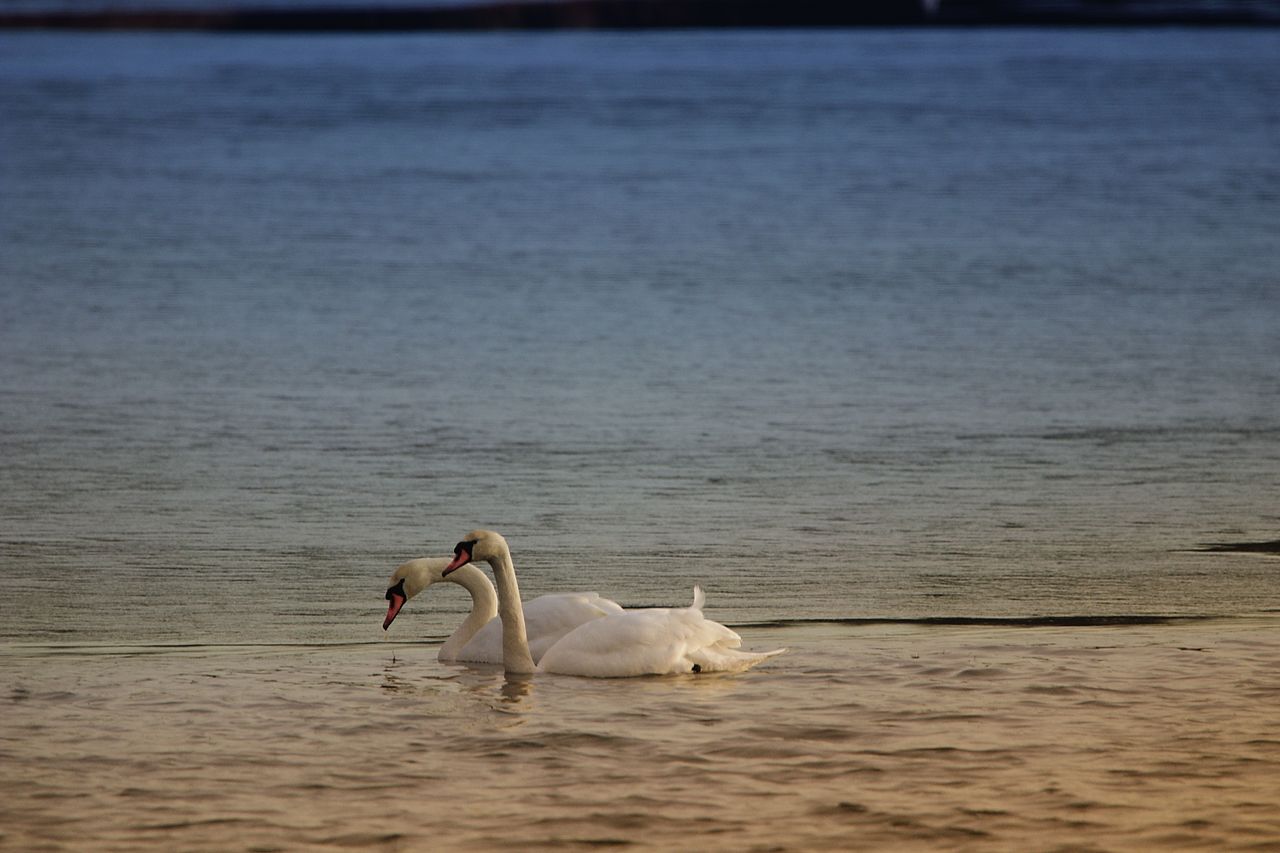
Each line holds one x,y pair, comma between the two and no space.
699,598
720,659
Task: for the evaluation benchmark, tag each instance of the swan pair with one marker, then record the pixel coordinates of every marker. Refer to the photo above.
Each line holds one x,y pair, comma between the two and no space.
569,633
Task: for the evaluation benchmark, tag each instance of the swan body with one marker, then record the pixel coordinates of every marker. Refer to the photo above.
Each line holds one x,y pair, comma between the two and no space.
547,619
650,641
479,638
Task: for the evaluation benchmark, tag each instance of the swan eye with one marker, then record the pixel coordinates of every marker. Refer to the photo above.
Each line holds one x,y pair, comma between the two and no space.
467,547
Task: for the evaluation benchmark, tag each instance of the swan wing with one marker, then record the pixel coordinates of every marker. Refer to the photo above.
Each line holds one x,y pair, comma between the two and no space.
653,641
485,646
547,618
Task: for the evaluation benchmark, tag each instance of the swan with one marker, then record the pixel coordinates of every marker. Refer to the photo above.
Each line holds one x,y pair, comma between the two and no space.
650,641
479,638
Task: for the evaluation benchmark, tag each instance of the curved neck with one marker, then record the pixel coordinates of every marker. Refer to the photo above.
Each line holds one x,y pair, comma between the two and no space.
484,606
515,645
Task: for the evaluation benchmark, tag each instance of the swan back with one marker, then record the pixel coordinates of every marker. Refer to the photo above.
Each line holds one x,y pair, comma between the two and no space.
653,641
547,619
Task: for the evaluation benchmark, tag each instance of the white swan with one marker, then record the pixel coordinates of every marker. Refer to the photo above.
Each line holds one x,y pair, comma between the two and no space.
652,641
479,638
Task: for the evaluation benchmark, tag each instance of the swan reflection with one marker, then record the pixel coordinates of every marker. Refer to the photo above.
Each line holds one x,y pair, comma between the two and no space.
515,688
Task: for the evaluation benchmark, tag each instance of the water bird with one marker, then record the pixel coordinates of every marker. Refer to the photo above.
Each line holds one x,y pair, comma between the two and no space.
648,641
479,638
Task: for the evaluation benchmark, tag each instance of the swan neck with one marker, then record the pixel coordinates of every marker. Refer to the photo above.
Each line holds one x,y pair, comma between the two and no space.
515,643
484,606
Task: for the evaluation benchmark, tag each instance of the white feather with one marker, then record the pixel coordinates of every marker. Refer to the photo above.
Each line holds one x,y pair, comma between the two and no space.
547,619
654,641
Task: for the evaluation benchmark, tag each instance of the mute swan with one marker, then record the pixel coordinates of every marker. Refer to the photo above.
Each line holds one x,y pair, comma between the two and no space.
479,638
652,641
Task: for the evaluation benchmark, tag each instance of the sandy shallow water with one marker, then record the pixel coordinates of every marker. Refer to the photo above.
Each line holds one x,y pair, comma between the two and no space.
863,737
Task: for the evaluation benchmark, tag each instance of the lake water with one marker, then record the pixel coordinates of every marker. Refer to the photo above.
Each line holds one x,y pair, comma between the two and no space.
934,356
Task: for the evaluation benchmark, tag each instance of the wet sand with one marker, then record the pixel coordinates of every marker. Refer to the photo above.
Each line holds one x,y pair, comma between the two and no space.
881,737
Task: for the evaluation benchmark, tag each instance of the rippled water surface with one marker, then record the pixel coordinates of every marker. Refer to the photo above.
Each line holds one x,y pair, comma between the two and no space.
937,357
907,738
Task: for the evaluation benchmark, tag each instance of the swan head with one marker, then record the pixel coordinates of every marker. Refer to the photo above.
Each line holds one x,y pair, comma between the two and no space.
408,580
477,546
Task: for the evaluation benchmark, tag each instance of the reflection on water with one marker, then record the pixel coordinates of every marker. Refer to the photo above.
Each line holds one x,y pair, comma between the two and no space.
515,688
390,680
902,737
855,323
851,326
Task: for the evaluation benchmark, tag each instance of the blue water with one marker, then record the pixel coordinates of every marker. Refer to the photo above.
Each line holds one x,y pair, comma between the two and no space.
962,341
882,324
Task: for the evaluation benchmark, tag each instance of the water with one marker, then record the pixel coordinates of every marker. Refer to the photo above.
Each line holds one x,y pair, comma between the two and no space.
941,337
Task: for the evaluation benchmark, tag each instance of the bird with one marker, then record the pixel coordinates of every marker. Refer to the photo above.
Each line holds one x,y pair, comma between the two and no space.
479,638
647,641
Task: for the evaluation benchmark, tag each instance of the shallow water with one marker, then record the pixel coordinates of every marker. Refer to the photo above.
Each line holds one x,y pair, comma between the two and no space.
909,737
962,342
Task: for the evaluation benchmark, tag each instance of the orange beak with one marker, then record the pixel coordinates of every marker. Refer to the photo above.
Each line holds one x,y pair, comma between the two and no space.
395,600
461,556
